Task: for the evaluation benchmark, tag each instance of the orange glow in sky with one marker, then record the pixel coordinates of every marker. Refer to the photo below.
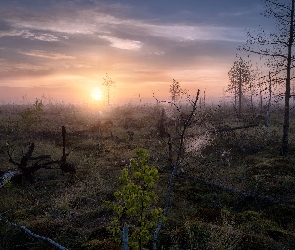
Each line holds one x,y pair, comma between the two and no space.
96,94
63,51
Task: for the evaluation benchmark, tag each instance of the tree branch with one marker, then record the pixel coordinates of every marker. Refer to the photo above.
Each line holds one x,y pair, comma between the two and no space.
264,53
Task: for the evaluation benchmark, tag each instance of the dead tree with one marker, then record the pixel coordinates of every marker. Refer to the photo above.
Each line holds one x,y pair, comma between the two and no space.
239,76
108,83
187,123
161,124
24,170
277,47
64,165
268,107
175,91
29,164
37,236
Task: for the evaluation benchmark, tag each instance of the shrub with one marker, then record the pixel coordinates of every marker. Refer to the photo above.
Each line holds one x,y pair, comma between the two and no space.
134,202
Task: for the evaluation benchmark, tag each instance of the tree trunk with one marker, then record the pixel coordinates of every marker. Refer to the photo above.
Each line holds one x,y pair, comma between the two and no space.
108,97
251,96
240,92
235,96
261,102
285,139
268,106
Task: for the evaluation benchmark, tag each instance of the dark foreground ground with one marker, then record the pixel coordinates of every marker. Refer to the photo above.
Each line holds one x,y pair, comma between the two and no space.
233,191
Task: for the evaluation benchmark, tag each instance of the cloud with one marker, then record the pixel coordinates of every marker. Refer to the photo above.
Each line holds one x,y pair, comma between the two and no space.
45,37
6,66
10,33
44,54
86,21
181,32
29,34
75,40
69,20
123,43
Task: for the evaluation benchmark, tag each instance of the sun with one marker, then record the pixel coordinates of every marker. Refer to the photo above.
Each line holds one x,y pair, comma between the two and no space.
96,94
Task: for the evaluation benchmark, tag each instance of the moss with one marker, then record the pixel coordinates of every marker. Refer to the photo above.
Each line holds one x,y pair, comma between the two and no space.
210,215
247,216
199,235
71,231
21,214
284,215
99,233
270,165
106,244
70,210
164,240
44,226
281,235
258,166
257,242
254,222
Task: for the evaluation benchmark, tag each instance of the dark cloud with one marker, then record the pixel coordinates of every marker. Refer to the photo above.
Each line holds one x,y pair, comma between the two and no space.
4,26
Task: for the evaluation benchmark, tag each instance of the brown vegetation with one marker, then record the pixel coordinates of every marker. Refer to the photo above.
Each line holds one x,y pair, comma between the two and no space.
219,197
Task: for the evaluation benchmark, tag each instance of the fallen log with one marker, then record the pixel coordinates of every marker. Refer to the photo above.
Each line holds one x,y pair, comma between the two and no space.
245,194
8,175
227,129
23,171
26,171
37,236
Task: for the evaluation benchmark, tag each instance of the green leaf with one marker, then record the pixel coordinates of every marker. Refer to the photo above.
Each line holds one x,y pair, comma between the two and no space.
136,197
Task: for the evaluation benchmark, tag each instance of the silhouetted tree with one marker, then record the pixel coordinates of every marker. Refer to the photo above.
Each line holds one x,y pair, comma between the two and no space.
175,91
277,46
108,83
239,76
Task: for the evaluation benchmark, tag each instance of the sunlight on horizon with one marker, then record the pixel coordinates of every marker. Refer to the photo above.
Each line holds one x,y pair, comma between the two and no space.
96,94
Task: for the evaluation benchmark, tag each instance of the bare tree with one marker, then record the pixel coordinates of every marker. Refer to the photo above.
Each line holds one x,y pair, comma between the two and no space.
239,76
186,124
175,91
277,46
108,83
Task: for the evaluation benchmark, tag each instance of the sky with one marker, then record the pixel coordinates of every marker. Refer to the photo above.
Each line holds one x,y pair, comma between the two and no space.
62,49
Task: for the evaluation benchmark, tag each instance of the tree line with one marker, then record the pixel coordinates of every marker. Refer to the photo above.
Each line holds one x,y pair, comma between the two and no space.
276,53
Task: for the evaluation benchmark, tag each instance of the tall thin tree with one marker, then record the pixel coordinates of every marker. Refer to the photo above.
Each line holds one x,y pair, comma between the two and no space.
108,83
239,76
175,91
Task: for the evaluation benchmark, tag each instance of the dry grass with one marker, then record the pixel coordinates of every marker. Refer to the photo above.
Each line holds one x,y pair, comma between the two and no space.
70,209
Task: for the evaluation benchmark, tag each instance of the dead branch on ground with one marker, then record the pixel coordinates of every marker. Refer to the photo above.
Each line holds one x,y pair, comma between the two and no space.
37,236
25,170
227,129
245,194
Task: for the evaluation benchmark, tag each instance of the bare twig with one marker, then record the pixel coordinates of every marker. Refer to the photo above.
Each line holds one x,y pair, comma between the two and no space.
175,166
